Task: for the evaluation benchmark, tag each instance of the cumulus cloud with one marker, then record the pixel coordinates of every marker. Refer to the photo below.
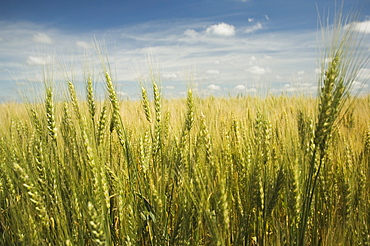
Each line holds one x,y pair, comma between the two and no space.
240,87
317,71
357,85
214,87
38,60
212,71
250,19
42,38
191,33
256,70
252,60
243,88
221,29
364,74
289,88
83,44
363,27
254,28
169,75
299,87
254,90
123,94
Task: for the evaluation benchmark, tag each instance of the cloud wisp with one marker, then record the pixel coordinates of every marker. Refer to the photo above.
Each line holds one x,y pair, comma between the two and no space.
254,28
42,38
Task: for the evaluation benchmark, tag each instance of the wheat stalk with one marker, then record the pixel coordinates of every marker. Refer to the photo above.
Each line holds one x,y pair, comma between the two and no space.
90,99
146,105
50,115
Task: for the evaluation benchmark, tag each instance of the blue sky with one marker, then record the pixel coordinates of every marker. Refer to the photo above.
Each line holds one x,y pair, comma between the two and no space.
219,47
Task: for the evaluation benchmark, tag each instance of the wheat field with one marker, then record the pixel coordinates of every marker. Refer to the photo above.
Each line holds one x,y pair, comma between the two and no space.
200,171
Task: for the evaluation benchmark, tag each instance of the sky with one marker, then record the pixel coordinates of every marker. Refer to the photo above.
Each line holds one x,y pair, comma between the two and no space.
215,47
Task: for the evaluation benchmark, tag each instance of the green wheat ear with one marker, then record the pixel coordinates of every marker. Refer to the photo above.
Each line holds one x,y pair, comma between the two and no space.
90,98
50,114
116,121
157,103
279,182
190,111
146,105
112,97
101,125
74,101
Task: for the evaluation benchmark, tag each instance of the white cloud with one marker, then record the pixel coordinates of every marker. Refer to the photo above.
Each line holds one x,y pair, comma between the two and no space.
169,75
267,17
298,87
364,74
252,60
289,88
250,19
214,87
240,87
256,70
170,87
122,94
363,27
212,71
300,72
83,44
254,28
191,33
357,85
221,29
243,88
254,90
38,60
42,38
